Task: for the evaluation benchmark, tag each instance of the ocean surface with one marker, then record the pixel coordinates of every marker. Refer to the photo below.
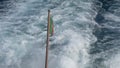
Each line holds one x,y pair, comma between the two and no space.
87,33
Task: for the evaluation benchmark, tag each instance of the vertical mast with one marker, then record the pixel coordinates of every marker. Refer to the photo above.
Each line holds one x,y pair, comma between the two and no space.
47,42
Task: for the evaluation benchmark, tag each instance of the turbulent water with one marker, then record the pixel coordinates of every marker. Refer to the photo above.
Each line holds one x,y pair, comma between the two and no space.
87,33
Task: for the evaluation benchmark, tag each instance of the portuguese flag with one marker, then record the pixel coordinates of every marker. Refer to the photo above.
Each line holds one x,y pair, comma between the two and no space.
51,27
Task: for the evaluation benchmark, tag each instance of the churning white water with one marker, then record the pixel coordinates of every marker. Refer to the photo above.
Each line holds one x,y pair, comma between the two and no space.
23,34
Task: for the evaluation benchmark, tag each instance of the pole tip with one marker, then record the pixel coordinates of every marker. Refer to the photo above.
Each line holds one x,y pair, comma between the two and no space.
48,10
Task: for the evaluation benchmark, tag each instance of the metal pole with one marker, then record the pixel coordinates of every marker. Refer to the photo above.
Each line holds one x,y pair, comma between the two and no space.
47,42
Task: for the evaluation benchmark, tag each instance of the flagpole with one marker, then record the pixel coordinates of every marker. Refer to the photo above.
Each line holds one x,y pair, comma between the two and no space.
47,42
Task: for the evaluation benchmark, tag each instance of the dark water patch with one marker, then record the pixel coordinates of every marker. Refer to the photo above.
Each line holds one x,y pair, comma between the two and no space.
108,38
101,33
105,35
5,6
106,4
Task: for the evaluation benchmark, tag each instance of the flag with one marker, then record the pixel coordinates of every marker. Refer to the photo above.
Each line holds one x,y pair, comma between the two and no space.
51,31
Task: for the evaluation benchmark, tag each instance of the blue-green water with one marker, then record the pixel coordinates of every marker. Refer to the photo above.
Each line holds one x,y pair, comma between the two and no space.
87,33
106,49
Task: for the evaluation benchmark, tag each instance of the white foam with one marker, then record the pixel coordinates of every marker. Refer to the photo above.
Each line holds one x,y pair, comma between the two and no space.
25,36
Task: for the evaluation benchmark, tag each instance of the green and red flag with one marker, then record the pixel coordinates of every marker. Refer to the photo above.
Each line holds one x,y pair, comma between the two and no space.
51,31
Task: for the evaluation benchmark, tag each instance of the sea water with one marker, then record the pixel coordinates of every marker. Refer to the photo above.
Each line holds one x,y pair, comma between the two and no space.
86,33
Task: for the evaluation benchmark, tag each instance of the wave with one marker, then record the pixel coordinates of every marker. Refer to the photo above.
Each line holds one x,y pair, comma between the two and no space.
23,34
106,49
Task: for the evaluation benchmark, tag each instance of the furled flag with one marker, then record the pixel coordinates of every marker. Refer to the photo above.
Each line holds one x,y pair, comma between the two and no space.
51,31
